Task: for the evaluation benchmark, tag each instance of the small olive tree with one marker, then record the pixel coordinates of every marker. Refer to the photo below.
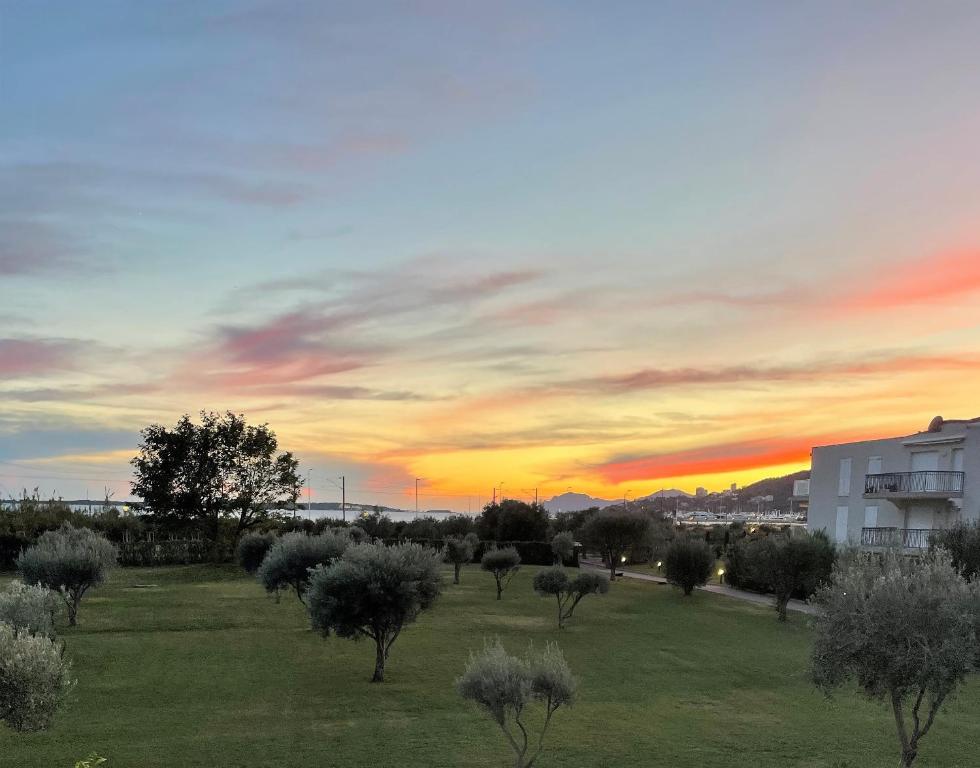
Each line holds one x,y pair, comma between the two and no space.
69,560
688,564
962,541
34,679
568,592
252,549
904,630
613,532
29,607
503,564
563,546
374,591
790,564
457,551
506,686
288,562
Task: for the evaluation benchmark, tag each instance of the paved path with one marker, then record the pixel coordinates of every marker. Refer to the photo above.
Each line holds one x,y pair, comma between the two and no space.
718,589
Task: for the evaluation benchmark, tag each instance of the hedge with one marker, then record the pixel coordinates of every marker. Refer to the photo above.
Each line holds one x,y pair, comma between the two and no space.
531,552
165,552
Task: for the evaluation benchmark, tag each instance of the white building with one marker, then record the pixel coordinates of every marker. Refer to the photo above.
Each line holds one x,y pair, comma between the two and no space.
894,491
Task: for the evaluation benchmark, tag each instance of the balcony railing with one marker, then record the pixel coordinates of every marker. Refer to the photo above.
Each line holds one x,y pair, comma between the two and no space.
942,484
906,538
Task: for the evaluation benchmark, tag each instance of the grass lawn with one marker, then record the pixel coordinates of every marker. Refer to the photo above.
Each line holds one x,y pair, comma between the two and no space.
205,671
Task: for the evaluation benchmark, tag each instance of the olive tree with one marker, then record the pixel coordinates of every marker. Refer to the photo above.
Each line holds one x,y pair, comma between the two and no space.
790,564
613,532
29,607
34,679
289,560
252,549
962,541
563,546
457,551
688,563
374,591
503,564
904,630
568,592
506,686
69,560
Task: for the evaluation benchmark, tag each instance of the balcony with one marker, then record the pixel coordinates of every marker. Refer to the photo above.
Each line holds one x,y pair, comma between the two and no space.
894,538
914,485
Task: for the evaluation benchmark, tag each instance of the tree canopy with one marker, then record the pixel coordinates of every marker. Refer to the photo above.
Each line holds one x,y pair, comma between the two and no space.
374,591
503,564
613,532
34,679
288,561
788,565
568,592
220,468
904,630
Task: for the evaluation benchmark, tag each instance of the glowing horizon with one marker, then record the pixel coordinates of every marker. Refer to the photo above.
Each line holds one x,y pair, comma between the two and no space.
677,246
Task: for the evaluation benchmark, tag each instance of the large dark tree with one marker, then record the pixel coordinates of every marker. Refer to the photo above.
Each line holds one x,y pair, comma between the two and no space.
613,532
513,520
220,468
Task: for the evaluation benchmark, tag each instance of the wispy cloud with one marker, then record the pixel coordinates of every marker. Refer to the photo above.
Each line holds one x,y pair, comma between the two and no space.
37,357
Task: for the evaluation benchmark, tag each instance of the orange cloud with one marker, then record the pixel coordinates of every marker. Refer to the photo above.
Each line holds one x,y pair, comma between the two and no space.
935,278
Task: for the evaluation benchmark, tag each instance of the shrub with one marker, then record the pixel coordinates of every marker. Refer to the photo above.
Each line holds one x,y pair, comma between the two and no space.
34,679
357,534
29,607
568,592
563,545
503,564
613,532
458,551
505,686
374,591
289,560
962,541
70,560
688,563
904,630
252,549
790,565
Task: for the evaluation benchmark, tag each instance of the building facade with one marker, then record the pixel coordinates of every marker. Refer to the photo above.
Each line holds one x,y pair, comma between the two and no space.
894,491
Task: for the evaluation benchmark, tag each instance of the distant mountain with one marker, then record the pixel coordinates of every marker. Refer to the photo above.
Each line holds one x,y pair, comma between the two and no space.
575,502
780,488
668,493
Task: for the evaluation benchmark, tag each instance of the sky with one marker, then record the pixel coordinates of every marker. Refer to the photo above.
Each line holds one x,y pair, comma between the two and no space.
600,247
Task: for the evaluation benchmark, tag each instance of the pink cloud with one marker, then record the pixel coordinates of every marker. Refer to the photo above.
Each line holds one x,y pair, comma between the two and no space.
35,357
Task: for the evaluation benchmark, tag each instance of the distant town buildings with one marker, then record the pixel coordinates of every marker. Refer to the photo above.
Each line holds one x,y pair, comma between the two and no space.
895,491
700,492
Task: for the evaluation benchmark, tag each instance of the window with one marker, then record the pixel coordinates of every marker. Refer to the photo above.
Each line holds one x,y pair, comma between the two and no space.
871,517
874,465
840,534
844,481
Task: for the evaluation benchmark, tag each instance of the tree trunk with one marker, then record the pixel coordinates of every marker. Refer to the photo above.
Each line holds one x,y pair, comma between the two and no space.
781,604
612,566
456,570
73,610
379,662
500,589
908,757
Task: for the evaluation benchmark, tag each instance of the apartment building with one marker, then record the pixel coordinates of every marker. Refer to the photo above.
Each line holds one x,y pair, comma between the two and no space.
894,491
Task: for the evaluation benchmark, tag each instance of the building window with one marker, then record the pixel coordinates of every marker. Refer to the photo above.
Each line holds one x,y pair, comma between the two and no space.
871,517
874,465
844,481
840,533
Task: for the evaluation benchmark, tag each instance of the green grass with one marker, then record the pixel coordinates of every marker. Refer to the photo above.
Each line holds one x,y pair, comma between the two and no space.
204,670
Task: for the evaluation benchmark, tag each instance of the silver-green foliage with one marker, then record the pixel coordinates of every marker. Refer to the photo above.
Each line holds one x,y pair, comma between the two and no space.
374,591
903,629
458,551
29,607
568,592
34,679
503,564
563,546
289,560
506,687
70,560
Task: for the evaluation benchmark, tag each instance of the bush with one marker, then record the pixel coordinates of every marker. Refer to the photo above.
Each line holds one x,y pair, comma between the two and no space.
34,679
458,551
563,546
568,592
149,552
962,541
70,560
504,686
688,564
374,591
503,564
252,549
29,607
290,559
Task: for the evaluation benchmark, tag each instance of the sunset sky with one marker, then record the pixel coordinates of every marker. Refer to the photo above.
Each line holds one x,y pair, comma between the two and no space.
608,247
